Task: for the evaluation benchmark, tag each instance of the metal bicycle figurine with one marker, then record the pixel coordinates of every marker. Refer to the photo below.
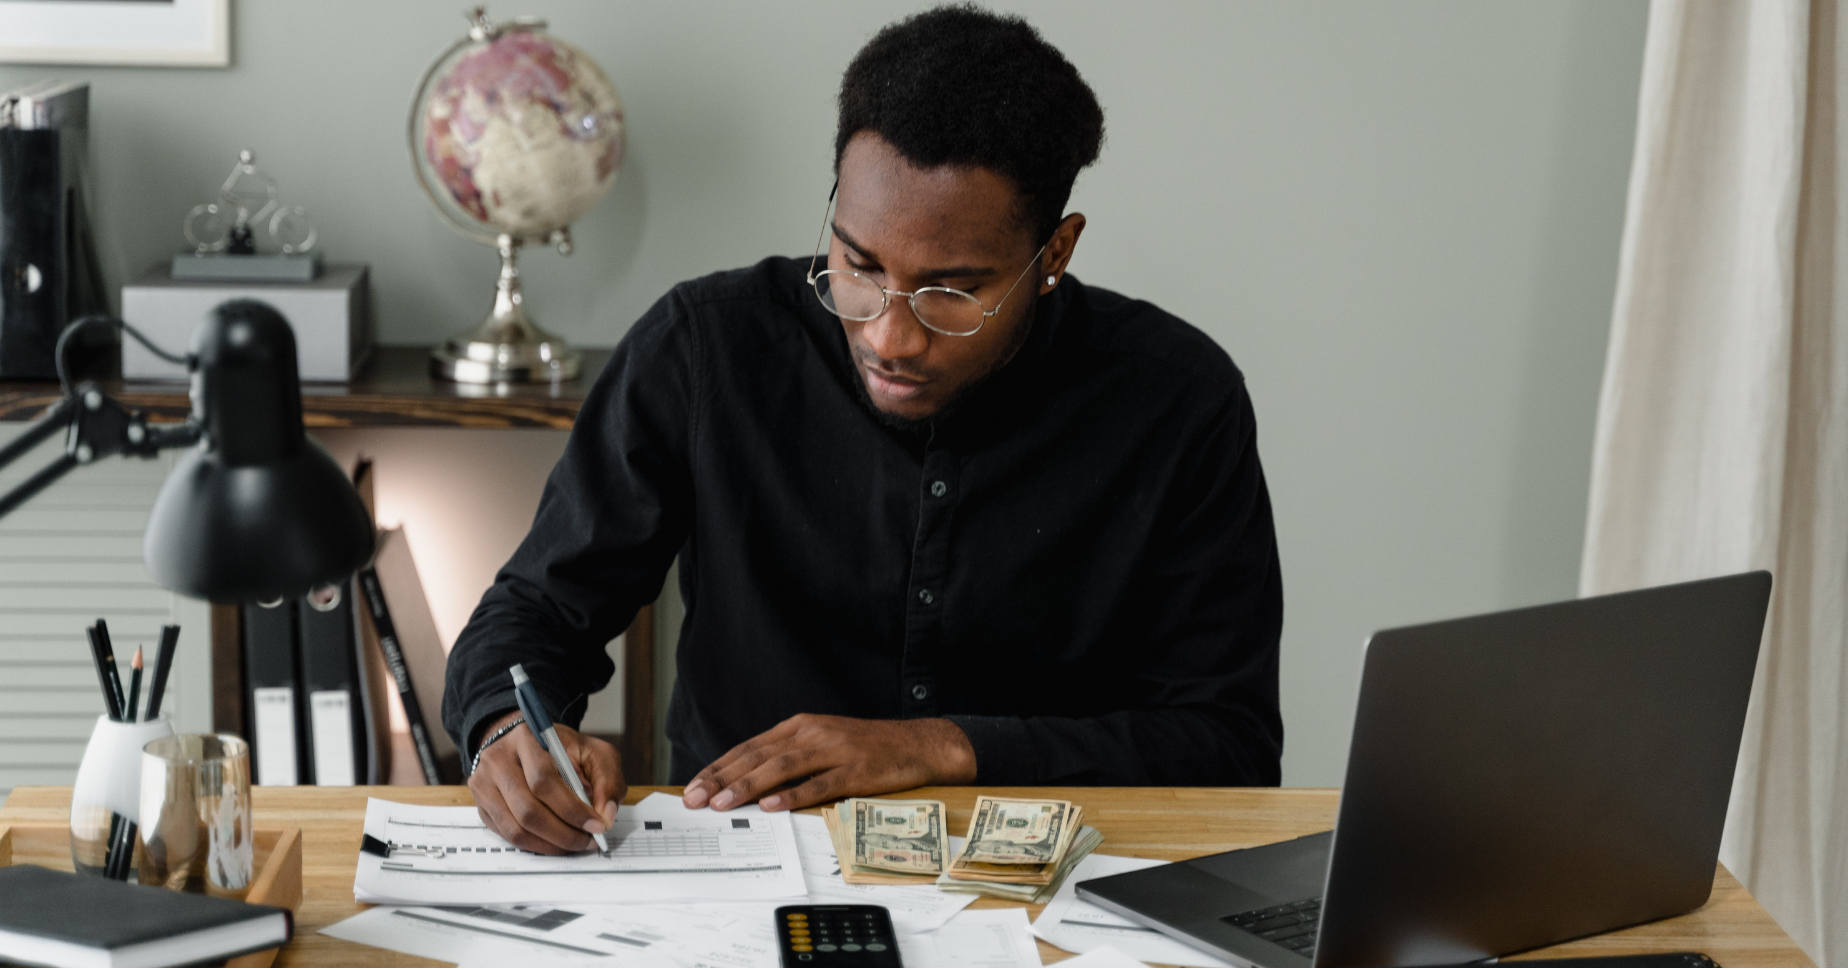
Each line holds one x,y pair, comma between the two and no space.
248,198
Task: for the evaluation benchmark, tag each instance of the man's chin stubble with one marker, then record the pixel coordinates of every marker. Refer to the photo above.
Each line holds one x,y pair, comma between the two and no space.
899,422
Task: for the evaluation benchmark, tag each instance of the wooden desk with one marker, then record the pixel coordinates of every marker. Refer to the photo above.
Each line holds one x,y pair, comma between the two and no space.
1156,823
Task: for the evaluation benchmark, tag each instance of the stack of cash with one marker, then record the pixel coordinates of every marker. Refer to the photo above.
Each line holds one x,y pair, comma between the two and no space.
1020,848
885,843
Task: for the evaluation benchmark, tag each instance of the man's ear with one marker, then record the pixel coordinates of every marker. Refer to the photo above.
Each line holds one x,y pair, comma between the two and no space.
1059,251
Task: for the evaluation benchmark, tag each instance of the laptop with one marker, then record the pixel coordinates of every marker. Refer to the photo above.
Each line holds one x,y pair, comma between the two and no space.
1514,780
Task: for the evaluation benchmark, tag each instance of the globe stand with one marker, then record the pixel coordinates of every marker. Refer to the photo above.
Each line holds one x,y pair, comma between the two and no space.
507,347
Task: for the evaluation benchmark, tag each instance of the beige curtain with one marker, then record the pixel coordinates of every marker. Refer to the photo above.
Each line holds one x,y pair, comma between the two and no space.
1722,440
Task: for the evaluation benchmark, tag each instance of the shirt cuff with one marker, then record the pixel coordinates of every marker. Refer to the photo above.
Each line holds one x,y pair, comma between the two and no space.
1003,752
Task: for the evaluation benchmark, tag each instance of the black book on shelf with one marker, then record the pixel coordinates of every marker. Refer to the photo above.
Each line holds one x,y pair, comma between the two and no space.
273,702
60,919
338,736
413,652
369,659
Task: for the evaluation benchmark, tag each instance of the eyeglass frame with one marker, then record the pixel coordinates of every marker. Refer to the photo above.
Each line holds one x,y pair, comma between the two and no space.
886,295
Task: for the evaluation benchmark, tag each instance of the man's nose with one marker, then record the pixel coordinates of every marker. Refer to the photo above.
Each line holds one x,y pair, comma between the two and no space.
897,333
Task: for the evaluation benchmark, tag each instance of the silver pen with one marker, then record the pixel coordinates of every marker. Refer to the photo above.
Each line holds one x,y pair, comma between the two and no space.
533,709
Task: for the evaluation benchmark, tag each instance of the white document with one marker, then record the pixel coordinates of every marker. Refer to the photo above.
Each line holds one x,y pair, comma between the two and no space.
1103,956
660,852
1070,923
511,936
914,909
975,938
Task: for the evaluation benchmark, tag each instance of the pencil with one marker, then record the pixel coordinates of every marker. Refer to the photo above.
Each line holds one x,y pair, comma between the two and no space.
105,664
111,675
163,662
134,685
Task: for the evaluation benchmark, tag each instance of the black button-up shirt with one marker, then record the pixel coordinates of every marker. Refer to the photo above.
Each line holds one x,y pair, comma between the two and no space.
1077,566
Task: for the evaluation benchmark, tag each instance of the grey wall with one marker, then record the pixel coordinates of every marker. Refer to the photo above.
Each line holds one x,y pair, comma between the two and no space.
1401,220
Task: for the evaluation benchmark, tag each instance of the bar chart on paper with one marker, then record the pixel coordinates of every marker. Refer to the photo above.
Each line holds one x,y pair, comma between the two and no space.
442,855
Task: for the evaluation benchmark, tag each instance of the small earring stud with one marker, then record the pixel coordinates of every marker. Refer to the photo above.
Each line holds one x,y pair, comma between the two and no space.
1052,281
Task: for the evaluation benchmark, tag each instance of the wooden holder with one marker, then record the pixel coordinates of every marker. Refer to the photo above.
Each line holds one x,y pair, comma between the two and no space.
278,861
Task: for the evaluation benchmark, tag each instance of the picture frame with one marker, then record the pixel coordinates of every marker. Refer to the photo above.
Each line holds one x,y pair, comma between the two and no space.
145,33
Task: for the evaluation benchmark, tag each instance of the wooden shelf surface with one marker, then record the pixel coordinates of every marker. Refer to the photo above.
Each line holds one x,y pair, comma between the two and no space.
395,389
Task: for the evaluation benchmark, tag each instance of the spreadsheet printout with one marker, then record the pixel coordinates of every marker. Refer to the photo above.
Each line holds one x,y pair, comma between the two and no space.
660,852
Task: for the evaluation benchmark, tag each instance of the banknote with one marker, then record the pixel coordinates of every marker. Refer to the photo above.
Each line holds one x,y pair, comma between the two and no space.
965,880
895,836
1012,831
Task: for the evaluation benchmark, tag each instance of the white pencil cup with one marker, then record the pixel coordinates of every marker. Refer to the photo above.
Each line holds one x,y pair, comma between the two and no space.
108,783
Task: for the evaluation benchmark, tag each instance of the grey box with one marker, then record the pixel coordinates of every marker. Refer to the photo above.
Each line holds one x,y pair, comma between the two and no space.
226,268
331,316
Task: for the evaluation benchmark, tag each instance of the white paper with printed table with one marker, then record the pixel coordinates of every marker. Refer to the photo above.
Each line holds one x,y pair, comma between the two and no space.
660,852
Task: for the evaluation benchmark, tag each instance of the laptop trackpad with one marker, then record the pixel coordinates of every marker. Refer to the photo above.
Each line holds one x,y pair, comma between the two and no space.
1283,871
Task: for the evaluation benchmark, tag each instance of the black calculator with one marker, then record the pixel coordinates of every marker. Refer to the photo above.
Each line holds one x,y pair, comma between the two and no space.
836,936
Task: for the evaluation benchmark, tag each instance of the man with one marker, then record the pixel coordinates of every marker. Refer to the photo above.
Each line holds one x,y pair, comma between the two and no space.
944,514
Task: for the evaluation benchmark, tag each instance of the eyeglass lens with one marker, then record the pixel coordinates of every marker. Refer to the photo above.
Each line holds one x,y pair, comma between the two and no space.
856,297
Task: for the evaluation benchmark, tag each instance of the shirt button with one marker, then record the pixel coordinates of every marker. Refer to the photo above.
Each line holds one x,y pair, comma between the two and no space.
920,692
939,489
924,595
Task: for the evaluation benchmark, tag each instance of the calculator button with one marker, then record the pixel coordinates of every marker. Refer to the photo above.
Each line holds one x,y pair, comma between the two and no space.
827,947
799,948
875,947
793,917
851,947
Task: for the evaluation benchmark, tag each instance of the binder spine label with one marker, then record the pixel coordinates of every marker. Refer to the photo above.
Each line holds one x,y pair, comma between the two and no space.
274,719
330,715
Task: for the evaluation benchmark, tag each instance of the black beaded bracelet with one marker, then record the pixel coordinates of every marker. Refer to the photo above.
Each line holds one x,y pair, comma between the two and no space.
496,736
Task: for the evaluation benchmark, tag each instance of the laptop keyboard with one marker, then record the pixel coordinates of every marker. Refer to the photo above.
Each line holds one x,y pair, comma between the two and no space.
1290,925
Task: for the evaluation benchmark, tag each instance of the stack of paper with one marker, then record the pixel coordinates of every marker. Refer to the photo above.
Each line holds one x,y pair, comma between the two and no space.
441,854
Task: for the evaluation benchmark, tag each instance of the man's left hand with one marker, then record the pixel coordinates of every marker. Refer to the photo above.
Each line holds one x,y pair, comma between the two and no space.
840,756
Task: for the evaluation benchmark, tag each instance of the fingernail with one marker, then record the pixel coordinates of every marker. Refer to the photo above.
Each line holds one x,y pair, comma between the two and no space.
695,798
723,800
608,813
772,804
594,826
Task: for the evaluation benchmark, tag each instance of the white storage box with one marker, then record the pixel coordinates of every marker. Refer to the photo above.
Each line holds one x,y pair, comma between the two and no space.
331,316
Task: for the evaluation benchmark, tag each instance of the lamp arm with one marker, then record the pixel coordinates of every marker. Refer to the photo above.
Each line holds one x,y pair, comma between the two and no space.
98,426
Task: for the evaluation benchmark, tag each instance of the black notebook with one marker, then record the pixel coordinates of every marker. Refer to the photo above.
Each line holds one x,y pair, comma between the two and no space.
57,919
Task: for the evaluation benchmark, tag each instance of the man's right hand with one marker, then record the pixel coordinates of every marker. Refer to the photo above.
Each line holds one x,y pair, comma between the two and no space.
520,794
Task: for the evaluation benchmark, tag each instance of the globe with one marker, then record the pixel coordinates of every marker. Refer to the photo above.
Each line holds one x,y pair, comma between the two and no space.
517,132
514,134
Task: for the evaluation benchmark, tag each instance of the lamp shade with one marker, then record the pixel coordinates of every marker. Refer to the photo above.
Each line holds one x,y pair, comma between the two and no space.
255,510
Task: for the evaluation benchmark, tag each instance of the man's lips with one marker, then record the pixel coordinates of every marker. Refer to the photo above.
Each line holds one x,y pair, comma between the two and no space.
894,387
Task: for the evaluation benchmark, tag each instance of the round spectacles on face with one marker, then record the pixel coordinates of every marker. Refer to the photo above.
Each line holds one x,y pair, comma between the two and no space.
941,309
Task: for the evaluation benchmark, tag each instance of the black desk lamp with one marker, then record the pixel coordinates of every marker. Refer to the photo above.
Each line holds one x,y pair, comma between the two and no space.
255,510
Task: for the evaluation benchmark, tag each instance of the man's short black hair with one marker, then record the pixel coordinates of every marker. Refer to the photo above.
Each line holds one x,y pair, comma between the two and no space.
958,85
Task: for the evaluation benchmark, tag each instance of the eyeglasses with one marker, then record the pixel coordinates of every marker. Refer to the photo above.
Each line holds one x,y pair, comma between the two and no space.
858,297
